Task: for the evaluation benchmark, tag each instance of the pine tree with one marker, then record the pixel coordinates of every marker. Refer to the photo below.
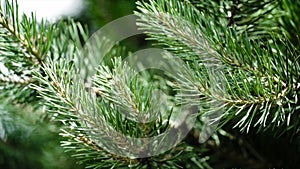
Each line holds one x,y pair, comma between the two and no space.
241,71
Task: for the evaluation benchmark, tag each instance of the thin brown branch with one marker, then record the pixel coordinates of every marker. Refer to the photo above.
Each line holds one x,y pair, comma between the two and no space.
31,49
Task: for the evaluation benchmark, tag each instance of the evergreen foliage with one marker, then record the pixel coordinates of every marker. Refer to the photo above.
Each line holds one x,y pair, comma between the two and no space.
244,62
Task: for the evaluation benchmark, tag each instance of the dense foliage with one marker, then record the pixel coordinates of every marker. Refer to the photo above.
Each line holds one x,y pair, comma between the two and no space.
243,56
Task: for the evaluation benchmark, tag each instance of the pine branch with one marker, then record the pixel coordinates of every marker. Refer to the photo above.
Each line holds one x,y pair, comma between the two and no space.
174,30
24,43
33,40
256,17
91,125
251,78
244,76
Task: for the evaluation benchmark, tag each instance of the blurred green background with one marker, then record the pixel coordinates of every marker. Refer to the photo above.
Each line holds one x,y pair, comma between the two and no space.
100,12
